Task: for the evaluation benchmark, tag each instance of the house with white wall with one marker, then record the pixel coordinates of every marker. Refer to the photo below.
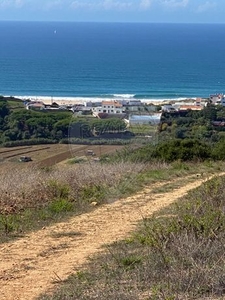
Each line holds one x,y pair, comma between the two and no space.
109,107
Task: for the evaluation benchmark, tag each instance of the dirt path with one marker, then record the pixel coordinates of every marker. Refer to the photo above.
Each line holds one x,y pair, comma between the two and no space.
33,264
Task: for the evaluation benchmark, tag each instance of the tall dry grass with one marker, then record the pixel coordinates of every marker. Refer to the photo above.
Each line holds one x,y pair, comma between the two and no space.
178,254
33,187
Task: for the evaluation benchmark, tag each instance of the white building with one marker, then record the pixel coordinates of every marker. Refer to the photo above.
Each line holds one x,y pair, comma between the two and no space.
109,107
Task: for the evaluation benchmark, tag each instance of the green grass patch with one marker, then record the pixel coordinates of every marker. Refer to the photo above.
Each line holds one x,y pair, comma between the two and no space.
77,160
60,205
93,193
58,190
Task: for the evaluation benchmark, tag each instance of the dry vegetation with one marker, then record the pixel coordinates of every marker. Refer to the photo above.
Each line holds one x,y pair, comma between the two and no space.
33,197
35,187
36,195
176,255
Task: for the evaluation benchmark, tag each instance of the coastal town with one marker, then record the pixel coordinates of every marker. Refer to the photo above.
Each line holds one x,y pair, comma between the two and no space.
110,121
132,111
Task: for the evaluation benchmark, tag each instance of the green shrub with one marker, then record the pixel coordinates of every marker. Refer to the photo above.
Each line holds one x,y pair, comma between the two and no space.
9,223
58,190
184,150
130,261
27,142
77,160
60,205
93,193
93,141
218,152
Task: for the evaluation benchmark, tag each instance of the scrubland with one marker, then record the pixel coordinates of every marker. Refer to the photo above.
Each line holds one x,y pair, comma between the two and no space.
176,254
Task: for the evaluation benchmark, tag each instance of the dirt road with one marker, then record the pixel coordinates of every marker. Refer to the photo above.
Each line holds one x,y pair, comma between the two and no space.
33,264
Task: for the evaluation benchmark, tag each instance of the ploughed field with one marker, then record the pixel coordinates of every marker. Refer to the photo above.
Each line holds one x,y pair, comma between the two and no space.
48,155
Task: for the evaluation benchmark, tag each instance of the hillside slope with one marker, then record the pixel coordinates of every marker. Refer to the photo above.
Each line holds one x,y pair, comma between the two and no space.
37,262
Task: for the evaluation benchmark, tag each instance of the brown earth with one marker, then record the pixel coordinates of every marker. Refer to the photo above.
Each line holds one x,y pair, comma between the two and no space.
37,262
76,152
48,155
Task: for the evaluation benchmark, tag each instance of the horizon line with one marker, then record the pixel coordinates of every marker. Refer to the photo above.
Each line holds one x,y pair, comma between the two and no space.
114,22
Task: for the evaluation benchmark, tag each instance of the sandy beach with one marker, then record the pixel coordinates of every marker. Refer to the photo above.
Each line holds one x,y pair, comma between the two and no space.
60,100
81,100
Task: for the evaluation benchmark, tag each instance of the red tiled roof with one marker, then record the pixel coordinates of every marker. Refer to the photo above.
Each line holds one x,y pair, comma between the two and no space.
114,103
192,107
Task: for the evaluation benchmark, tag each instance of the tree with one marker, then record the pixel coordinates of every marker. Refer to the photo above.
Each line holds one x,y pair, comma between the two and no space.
210,113
4,109
187,149
79,129
112,125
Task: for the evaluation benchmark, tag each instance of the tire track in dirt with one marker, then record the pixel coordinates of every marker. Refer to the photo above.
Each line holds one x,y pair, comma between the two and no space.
81,151
25,152
33,264
8,150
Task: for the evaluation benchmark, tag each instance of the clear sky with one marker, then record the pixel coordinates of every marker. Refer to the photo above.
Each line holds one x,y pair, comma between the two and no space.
157,11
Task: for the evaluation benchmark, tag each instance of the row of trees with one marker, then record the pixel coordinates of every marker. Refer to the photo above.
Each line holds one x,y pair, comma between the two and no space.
26,125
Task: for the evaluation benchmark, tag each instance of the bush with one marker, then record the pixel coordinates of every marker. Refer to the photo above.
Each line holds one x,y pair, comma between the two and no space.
58,190
29,142
218,152
60,205
93,193
184,150
169,151
92,141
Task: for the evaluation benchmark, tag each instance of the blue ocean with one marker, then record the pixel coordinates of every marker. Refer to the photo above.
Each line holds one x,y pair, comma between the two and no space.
106,60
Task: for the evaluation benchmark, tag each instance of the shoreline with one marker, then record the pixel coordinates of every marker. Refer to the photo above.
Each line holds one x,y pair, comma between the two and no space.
81,100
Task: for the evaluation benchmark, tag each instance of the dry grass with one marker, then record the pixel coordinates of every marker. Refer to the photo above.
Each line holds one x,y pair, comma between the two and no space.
35,187
177,255
33,198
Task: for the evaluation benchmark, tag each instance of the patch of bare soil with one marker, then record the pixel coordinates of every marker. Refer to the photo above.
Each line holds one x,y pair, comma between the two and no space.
76,151
9,157
48,155
35,263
